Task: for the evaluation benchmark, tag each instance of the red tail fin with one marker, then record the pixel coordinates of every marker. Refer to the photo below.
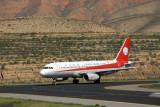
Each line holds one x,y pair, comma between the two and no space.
124,52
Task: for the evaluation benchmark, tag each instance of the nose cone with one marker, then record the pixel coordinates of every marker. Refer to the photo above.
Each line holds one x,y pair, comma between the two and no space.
43,73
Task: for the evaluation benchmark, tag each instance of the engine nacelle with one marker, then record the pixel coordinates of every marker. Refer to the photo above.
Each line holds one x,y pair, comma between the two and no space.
91,77
61,79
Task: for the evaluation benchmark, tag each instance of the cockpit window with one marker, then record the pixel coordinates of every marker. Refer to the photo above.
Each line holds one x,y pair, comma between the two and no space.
47,67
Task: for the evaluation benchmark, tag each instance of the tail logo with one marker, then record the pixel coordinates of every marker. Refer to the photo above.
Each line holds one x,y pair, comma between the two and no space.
125,51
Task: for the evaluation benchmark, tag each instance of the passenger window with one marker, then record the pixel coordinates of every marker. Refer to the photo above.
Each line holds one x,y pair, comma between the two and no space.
50,68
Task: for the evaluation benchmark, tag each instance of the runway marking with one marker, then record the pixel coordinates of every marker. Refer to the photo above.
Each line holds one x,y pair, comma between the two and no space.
107,88
80,98
129,90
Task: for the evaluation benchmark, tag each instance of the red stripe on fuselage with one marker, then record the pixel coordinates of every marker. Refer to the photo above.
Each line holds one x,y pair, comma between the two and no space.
106,66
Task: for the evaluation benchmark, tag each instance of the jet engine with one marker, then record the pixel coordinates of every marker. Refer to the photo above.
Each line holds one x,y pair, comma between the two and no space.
91,77
61,79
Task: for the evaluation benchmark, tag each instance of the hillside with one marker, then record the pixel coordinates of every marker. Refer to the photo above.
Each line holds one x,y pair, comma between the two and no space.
94,10
36,32
131,16
22,56
50,25
139,19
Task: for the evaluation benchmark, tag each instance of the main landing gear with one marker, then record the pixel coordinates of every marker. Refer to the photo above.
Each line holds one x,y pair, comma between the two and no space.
75,81
97,81
53,81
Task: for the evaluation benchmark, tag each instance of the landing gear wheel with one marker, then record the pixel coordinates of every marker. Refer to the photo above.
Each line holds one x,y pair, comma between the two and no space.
53,82
75,81
97,81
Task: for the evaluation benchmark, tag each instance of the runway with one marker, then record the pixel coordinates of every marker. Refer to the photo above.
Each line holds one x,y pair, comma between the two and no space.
87,91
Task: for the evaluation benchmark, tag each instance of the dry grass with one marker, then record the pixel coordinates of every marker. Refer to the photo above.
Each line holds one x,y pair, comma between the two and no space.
50,25
96,47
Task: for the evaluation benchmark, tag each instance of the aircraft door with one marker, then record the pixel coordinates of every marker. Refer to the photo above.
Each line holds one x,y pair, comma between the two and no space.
57,67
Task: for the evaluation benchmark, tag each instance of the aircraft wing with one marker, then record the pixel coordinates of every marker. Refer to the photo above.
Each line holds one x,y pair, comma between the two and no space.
110,71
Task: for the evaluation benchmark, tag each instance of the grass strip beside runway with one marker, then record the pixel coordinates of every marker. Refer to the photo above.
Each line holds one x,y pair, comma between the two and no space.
36,103
152,86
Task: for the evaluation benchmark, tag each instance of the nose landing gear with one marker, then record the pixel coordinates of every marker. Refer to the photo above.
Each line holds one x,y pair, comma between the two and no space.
98,81
53,81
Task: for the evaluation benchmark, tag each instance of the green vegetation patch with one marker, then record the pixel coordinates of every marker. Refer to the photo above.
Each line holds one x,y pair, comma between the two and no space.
24,55
34,103
29,48
154,86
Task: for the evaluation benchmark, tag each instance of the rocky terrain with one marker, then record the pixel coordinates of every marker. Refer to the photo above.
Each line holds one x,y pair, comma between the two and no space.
131,16
139,19
95,10
50,25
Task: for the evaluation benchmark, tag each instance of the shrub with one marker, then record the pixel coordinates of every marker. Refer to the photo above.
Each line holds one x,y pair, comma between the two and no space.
28,61
2,66
153,62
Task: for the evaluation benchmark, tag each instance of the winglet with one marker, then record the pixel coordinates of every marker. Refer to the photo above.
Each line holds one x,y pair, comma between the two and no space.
124,51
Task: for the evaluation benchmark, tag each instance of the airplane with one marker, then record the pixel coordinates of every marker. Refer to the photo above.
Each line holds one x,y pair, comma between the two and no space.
88,70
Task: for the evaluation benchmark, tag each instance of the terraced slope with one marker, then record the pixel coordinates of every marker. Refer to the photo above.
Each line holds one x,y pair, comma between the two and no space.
139,19
131,16
22,56
94,10
151,27
50,25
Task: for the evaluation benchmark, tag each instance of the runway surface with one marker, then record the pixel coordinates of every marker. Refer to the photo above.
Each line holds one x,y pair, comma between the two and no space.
87,91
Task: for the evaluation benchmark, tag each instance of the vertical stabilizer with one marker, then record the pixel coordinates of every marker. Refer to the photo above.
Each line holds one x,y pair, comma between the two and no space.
124,51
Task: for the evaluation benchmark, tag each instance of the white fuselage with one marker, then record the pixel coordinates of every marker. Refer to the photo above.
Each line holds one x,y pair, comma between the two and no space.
89,70
74,69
